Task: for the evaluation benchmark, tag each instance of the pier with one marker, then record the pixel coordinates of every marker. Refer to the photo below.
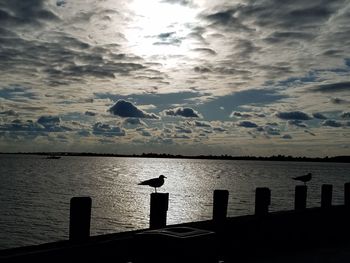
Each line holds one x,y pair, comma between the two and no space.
318,234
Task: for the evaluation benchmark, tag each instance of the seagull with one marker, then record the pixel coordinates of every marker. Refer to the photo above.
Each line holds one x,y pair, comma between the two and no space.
154,182
304,178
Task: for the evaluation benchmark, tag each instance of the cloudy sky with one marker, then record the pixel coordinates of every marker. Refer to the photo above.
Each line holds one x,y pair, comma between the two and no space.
235,77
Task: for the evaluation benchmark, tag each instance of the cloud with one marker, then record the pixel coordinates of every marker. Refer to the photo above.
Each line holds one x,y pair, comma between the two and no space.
49,121
336,100
107,130
61,2
200,124
134,122
297,123
15,13
182,112
309,132
287,137
205,51
9,113
345,115
247,124
126,109
180,2
332,123
240,114
333,87
293,115
319,115
180,129
219,129
90,113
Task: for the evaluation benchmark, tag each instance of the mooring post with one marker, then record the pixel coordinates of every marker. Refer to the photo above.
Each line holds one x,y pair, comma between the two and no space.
262,200
159,208
80,218
220,205
326,195
300,197
347,195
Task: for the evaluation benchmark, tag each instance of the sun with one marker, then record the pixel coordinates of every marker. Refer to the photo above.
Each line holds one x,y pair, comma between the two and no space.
159,29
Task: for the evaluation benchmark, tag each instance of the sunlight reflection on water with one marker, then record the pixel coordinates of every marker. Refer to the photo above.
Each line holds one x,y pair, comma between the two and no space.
35,192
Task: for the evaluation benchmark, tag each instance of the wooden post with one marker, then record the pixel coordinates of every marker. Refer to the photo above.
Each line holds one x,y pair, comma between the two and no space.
262,200
159,208
80,217
300,197
326,195
347,195
220,205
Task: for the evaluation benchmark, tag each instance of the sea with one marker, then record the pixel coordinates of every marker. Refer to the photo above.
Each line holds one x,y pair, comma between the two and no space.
35,192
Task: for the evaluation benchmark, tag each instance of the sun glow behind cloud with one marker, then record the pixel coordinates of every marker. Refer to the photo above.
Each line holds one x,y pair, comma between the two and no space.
158,29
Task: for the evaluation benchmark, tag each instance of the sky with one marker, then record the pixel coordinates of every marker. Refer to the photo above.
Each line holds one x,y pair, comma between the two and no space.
183,77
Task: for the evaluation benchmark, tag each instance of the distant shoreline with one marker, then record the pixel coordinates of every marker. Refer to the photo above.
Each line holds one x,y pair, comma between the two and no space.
334,159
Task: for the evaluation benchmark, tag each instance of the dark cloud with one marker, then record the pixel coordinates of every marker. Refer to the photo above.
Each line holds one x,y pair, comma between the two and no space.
202,124
9,113
180,129
61,2
219,129
336,100
17,93
205,51
309,132
287,137
278,37
90,113
247,124
293,115
332,123
49,121
319,115
133,121
269,130
182,112
104,129
345,115
240,114
333,87
297,123
126,109
200,69
22,13
180,2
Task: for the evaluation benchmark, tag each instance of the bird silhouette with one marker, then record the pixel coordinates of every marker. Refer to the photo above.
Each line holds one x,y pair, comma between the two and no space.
154,182
303,178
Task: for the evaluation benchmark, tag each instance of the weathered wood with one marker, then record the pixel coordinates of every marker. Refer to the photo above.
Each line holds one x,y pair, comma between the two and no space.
300,197
262,200
220,205
159,208
326,195
80,218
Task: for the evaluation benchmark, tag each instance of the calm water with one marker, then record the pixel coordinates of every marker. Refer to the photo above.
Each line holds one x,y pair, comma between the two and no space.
35,192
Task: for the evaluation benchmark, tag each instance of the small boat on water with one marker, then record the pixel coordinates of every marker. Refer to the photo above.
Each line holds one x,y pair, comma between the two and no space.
53,157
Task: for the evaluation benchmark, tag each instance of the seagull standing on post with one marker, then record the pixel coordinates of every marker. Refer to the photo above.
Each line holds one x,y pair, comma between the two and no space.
304,178
155,182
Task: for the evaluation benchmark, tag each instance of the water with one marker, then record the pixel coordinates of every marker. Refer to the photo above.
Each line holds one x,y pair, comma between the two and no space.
35,192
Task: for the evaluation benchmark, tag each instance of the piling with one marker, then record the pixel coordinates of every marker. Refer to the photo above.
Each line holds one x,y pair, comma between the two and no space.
326,195
80,218
300,197
159,208
262,200
347,195
220,205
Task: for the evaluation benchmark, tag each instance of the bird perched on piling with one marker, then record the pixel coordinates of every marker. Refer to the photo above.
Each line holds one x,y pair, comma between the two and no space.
154,182
304,178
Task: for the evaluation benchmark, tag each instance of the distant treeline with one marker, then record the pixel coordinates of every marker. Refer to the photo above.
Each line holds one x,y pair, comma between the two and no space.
338,159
